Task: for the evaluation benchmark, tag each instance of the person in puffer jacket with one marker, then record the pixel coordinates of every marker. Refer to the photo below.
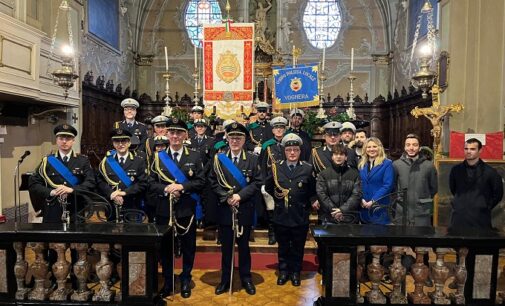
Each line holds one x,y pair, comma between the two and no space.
339,189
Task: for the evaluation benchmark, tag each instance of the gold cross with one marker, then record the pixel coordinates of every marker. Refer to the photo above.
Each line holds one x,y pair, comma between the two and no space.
436,113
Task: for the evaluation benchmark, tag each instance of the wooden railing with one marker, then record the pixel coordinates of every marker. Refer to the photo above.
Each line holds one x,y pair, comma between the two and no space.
135,245
470,280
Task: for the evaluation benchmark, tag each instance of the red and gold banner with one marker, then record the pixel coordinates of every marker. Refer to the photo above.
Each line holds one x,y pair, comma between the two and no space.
228,74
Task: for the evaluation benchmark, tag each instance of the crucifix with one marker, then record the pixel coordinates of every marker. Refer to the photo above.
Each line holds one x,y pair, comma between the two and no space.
436,114
74,118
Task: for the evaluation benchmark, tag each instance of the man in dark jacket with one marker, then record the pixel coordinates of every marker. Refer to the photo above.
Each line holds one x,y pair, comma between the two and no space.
417,181
296,120
292,186
236,179
477,189
339,189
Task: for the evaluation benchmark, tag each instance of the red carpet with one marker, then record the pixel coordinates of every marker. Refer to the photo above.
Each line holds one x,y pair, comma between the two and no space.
260,261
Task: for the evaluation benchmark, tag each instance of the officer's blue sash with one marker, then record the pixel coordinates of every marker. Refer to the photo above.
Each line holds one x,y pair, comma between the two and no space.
235,172
180,178
118,170
237,175
62,170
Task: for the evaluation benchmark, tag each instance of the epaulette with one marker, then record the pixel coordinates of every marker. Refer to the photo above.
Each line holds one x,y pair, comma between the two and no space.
282,161
252,126
219,145
140,123
268,143
189,125
116,124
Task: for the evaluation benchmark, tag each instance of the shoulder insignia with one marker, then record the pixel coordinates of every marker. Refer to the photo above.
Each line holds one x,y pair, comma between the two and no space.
253,126
268,143
116,124
281,162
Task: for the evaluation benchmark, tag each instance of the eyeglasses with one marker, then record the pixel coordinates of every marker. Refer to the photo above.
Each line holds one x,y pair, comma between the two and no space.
292,149
262,110
121,141
235,139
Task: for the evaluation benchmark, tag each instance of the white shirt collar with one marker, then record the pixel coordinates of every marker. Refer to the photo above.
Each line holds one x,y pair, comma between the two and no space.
67,155
237,156
180,151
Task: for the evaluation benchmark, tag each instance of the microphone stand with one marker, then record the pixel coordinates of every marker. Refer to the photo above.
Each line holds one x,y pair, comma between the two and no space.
17,196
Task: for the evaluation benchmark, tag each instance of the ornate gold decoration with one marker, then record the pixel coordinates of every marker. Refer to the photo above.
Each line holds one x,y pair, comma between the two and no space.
436,113
228,67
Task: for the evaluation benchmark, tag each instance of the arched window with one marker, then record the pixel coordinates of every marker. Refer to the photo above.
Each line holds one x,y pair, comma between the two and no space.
201,12
322,21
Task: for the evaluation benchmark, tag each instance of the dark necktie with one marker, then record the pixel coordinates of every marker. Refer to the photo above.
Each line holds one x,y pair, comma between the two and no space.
199,141
235,160
291,167
65,159
175,155
121,160
130,125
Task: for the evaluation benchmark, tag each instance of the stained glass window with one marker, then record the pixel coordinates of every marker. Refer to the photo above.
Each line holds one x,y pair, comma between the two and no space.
322,21
201,12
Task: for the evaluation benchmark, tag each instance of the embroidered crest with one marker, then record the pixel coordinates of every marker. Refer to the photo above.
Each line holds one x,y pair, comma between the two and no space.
296,84
228,67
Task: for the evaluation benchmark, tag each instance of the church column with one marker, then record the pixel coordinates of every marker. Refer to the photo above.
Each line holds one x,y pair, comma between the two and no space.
243,10
381,74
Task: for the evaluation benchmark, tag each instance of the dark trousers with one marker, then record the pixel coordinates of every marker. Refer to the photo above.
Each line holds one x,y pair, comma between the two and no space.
188,249
244,253
291,242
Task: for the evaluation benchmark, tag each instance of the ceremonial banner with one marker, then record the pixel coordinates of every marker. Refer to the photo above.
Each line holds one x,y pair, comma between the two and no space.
296,87
492,144
228,61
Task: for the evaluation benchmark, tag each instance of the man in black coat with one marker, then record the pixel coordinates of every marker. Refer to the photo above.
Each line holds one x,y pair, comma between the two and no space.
121,175
260,130
236,179
477,189
137,129
177,174
61,176
292,186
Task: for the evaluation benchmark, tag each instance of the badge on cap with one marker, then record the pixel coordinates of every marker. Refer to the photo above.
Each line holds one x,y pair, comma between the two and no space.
175,120
234,125
65,126
119,131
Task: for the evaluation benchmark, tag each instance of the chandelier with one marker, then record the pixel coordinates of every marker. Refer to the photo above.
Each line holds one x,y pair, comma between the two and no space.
65,75
425,77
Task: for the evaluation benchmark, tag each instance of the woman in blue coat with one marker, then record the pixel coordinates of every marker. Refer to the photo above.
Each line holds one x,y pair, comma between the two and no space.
377,177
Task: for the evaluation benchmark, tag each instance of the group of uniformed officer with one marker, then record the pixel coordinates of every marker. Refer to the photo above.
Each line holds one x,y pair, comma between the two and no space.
170,178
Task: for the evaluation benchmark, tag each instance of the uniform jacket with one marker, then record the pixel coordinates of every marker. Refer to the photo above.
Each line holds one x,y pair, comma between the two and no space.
418,179
260,131
302,192
339,187
377,183
271,149
320,158
307,143
138,129
204,147
474,196
248,164
40,188
191,165
135,169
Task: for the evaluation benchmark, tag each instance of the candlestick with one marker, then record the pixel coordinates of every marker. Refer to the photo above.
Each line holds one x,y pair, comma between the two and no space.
352,59
166,59
294,57
196,58
324,58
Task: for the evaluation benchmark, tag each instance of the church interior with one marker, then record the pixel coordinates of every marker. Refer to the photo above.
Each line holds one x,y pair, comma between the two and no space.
435,68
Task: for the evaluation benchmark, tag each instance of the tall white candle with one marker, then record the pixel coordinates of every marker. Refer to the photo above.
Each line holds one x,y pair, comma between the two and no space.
352,59
166,58
196,58
294,58
324,58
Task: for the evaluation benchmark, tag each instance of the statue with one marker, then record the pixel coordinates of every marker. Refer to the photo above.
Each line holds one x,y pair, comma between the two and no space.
436,114
286,32
261,19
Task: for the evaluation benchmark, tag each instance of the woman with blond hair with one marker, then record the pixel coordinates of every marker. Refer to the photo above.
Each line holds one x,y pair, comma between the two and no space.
377,177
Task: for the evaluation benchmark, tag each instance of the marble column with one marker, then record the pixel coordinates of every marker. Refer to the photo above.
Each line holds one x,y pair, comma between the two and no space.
397,273
439,274
420,272
375,274
20,269
39,268
460,274
61,269
103,271
81,271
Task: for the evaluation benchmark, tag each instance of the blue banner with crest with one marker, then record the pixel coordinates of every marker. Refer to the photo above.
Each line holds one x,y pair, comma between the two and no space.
296,87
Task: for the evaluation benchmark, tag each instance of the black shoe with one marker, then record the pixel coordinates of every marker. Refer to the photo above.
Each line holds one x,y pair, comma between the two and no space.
282,279
222,288
271,239
249,287
185,289
159,299
251,236
295,279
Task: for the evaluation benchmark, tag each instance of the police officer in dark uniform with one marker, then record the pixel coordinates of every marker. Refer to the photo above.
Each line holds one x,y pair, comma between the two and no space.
296,121
60,177
196,114
160,129
137,129
235,178
200,142
180,191
321,157
260,131
121,175
293,188
271,152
